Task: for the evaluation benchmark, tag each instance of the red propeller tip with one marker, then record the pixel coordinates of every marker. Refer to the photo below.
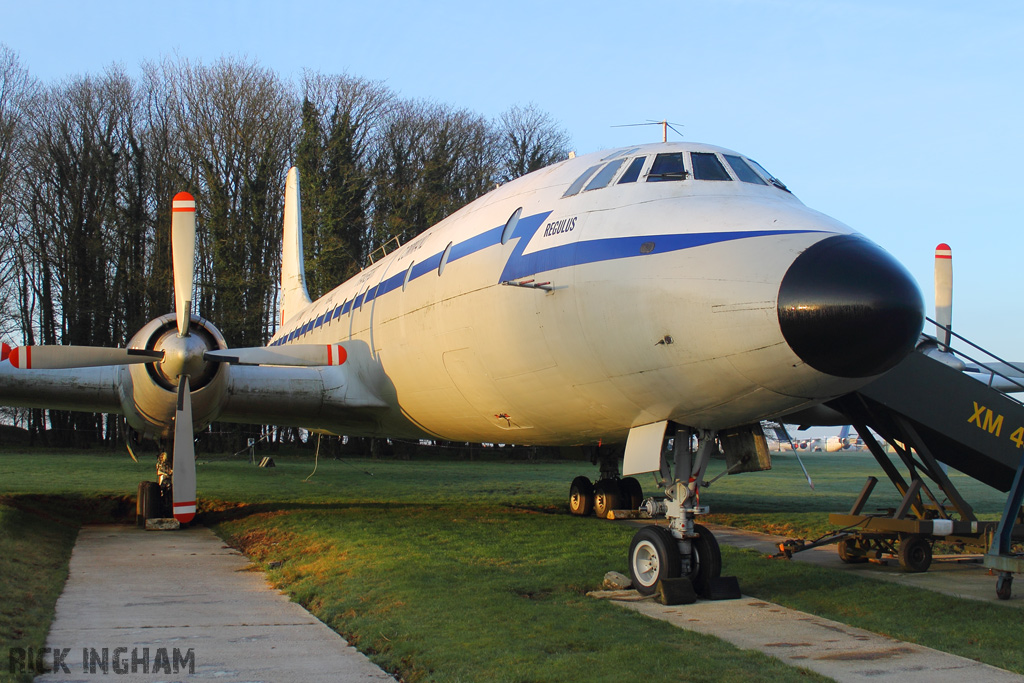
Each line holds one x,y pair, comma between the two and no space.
6,351
336,355
183,201
14,355
943,251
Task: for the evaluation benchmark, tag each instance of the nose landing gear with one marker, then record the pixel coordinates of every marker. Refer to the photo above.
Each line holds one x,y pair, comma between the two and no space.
684,548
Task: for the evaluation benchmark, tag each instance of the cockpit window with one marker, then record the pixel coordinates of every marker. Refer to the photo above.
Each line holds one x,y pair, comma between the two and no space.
622,153
706,166
742,170
605,175
768,176
667,166
633,171
577,184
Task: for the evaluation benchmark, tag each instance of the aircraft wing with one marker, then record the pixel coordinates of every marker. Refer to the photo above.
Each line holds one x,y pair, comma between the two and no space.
93,390
312,397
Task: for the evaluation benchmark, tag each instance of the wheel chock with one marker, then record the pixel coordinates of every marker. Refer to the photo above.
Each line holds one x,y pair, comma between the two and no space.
723,588
676,592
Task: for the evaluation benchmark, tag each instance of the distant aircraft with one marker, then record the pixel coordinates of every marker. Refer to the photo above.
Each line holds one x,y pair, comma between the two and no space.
615,298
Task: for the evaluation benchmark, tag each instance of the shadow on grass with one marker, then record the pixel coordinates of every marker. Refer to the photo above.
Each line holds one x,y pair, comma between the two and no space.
219,511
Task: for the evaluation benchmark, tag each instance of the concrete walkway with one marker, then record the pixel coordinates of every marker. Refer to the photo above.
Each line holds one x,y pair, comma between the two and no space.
950,574
841,652
161,595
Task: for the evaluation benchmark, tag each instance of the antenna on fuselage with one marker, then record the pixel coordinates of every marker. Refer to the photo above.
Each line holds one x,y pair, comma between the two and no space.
665,125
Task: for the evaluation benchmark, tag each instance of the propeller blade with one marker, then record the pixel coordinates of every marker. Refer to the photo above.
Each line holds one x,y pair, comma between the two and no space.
6,351
292,354
183,247
183,476
67,357
943,293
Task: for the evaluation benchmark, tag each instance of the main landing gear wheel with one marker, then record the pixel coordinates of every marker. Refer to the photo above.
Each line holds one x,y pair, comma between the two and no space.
915,553
848,552
706,562
148,503
607,497
632,493
653,556
581,497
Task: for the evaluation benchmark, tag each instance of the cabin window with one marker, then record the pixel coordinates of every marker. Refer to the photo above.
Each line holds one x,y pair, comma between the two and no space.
706,166
577,184
605,175
742,170
632,171
444,258
667,166
510,225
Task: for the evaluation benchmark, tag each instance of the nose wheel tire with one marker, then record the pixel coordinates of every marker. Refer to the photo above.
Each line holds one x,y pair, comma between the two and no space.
653,556
706,563
581,497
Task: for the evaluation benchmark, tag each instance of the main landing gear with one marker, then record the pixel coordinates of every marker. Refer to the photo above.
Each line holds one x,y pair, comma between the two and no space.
683,548
609,492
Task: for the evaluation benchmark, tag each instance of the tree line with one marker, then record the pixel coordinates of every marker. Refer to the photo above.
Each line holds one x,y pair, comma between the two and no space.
89,165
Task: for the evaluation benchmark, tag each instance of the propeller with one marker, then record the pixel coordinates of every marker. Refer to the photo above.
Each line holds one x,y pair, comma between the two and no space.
943,294
183,475
178,357
67,357
293,354
183,248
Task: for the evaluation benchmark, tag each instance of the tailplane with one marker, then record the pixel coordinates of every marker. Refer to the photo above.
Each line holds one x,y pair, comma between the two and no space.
294,295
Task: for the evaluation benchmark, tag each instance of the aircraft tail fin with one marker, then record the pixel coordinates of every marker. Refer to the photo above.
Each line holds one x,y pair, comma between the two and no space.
294,295
844,432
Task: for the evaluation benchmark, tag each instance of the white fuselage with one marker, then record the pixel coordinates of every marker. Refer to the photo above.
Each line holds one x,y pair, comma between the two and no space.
661,305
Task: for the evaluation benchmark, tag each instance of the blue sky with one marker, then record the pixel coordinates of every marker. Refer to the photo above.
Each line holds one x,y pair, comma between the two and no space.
902,120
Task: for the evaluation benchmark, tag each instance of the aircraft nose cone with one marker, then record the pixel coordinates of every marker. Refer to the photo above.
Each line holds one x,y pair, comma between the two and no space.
849,309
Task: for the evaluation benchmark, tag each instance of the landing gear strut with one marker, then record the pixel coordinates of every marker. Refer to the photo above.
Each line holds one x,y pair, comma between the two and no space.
609,492
154,497
684,548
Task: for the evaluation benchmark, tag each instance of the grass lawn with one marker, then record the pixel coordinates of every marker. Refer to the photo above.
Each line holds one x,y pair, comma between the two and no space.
475,571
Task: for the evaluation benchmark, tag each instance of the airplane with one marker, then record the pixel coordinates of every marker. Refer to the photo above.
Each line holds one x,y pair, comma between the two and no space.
844,441
611,301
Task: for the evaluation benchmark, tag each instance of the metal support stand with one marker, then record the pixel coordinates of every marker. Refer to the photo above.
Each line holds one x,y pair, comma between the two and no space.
1000,555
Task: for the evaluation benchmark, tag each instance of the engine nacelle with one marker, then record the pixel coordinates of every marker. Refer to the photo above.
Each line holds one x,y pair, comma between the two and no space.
148,392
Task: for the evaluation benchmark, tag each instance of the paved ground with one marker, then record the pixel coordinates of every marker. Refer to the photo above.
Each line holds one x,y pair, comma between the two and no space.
949,574
181,590
841,652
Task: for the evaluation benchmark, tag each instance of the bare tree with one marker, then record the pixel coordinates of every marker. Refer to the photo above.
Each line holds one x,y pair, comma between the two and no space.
430,160
530,140
16,89
340,117
236,124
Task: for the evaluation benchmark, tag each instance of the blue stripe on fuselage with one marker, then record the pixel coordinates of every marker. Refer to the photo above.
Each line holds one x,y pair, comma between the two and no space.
520,265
